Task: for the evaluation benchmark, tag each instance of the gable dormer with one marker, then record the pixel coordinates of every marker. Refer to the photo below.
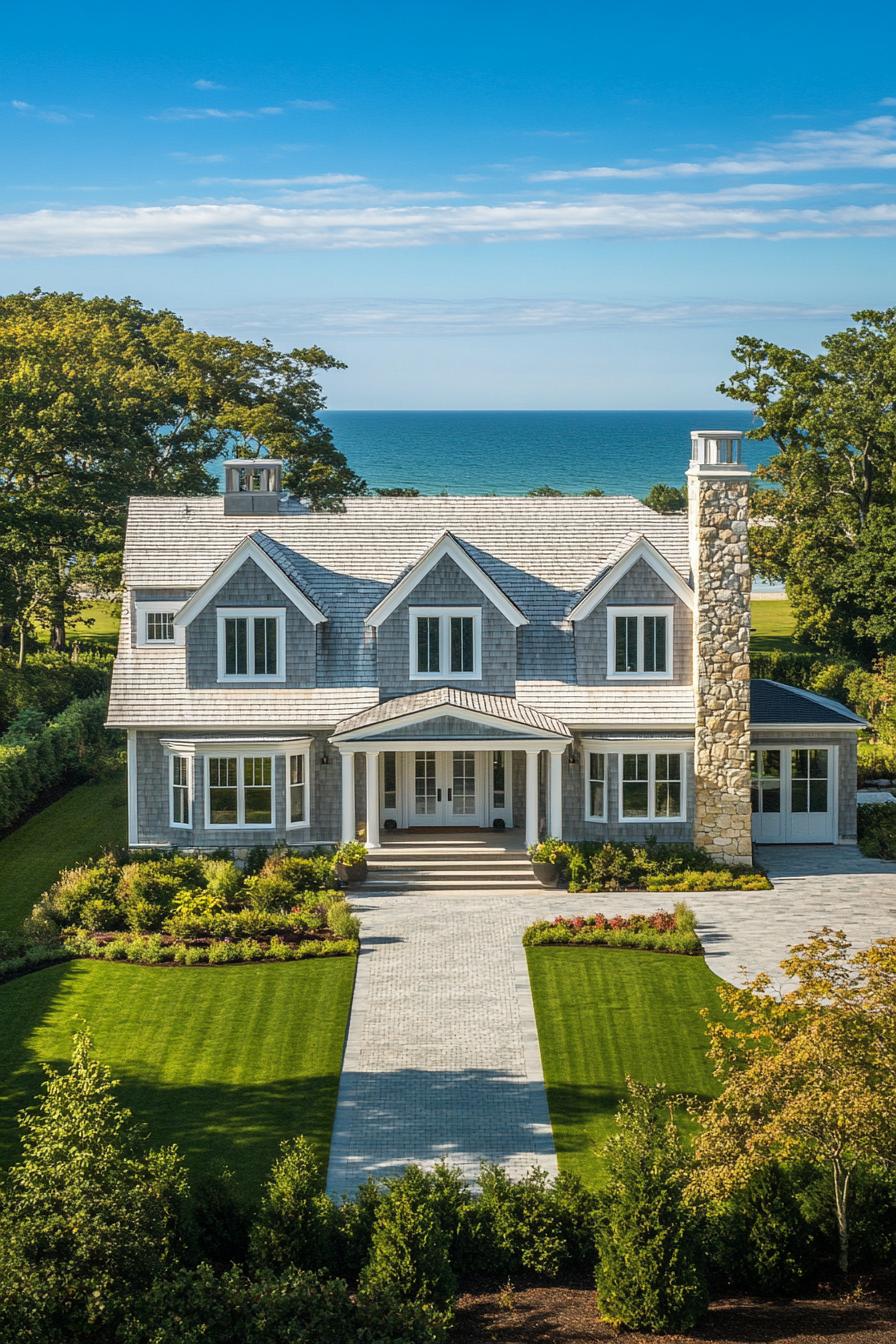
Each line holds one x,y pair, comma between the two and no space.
634,624
251,623
446,621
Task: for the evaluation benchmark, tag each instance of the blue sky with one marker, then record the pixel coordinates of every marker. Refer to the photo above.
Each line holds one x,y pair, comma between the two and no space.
481,205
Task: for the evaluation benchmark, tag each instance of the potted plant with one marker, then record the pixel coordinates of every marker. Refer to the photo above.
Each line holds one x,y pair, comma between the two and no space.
350,861
549,859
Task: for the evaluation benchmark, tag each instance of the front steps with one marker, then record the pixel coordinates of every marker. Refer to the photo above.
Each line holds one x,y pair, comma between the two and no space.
466,862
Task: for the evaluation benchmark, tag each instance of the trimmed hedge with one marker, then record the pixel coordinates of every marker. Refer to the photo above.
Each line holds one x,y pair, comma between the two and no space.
153,949
877,830
50,681
71,746
663,931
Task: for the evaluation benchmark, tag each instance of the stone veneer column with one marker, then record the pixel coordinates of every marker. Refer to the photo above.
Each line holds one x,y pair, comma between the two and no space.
718,503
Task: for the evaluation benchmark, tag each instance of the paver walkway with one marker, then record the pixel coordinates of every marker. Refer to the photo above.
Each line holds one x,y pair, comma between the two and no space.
442,1055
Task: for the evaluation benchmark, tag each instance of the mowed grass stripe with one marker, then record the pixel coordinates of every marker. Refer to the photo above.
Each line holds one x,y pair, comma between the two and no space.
603,1014
81,824
223,1061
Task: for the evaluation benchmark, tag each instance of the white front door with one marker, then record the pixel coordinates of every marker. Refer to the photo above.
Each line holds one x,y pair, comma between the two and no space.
793,795
443,789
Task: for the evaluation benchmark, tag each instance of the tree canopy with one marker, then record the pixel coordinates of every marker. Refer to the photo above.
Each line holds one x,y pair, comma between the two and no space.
104,398
826,510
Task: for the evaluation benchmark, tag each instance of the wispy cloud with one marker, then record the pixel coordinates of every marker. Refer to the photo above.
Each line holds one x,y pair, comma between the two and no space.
144,230
214,113
869,144
56,116
182,156
887,102
207,85
388,317
310,180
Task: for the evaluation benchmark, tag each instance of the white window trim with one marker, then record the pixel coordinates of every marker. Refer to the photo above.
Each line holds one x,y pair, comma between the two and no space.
640,612
249,613
444,615
305,753
188,757
240,824
651,753
586,761
142,609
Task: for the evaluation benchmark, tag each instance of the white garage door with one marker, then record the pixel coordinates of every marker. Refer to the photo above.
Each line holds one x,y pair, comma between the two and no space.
793,795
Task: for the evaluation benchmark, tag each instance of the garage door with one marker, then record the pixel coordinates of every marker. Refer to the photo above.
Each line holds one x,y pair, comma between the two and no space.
793,795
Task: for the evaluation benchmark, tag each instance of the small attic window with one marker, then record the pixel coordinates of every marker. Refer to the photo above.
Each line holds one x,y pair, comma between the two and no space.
155,622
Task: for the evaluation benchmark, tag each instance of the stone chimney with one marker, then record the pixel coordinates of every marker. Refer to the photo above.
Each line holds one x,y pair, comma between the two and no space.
718,486
252,485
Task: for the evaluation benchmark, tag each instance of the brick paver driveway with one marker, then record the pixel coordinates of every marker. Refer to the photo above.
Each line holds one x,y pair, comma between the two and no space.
442,1056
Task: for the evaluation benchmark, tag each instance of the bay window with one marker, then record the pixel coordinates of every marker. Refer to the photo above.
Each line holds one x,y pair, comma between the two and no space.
239,791
445,642
639,642
251,644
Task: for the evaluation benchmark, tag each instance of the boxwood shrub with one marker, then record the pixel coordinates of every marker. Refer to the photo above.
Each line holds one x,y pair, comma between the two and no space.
652,866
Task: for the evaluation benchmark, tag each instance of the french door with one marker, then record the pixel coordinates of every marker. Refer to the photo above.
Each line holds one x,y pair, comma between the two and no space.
793,795
443,789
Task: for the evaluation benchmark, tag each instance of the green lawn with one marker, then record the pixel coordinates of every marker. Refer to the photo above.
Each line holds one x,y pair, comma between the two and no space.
604,1013
96,624
79,824
771,625
223,1061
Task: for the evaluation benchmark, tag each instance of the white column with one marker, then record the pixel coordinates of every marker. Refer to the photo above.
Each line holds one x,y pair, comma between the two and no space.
373,800
531,795
555,796
348,796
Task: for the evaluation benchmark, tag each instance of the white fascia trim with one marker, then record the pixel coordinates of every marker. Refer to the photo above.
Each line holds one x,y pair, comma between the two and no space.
247,549
450,546
642,549
455,712
613,745
228,746
409,744
639,612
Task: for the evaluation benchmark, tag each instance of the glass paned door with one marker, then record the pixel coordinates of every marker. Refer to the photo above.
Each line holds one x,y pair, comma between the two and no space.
425,800
463,784
765,794
810,795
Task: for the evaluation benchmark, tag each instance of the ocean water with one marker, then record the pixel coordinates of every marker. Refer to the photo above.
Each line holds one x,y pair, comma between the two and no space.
511,452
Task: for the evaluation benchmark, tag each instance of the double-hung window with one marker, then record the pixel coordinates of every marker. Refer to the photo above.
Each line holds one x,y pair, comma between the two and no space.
297,789
639,642
240,791
651,786
251,644
180,779
445,642
596,786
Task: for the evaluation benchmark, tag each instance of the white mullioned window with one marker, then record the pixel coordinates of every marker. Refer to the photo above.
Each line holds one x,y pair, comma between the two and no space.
239,791
297,767
651,786
595,786
639,642
155,622
251,644
445,643
180,790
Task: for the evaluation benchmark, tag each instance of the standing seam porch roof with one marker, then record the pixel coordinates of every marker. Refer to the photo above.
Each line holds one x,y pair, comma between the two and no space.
498,706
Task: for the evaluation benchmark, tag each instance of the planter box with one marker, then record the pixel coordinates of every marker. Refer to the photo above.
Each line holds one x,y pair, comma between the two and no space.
351,873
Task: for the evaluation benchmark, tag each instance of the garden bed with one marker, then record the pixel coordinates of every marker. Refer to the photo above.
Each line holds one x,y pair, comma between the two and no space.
653,866
663,931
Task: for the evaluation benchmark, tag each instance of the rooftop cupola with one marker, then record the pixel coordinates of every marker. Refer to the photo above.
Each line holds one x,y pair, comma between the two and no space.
252,485
716,447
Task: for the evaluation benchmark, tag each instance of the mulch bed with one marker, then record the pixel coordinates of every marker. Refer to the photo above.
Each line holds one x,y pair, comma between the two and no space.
566,1315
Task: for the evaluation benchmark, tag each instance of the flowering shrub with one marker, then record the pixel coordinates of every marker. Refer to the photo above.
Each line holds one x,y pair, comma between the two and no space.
663,931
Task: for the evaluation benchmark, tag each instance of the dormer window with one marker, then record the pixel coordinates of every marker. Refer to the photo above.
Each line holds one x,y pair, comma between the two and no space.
446,643
639,642
251,644
155,622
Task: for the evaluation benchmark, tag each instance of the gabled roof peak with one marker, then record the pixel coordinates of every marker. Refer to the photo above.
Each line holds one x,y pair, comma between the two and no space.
272,559
634,546
447,544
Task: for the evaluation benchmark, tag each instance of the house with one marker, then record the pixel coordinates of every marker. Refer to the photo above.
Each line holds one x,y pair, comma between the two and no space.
570,666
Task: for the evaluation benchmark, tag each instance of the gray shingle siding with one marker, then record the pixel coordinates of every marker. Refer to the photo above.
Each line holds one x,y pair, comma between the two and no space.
630,832
446,585
641,586
249,587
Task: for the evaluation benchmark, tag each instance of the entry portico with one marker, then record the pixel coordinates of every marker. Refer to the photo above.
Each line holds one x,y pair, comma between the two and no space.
444,757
